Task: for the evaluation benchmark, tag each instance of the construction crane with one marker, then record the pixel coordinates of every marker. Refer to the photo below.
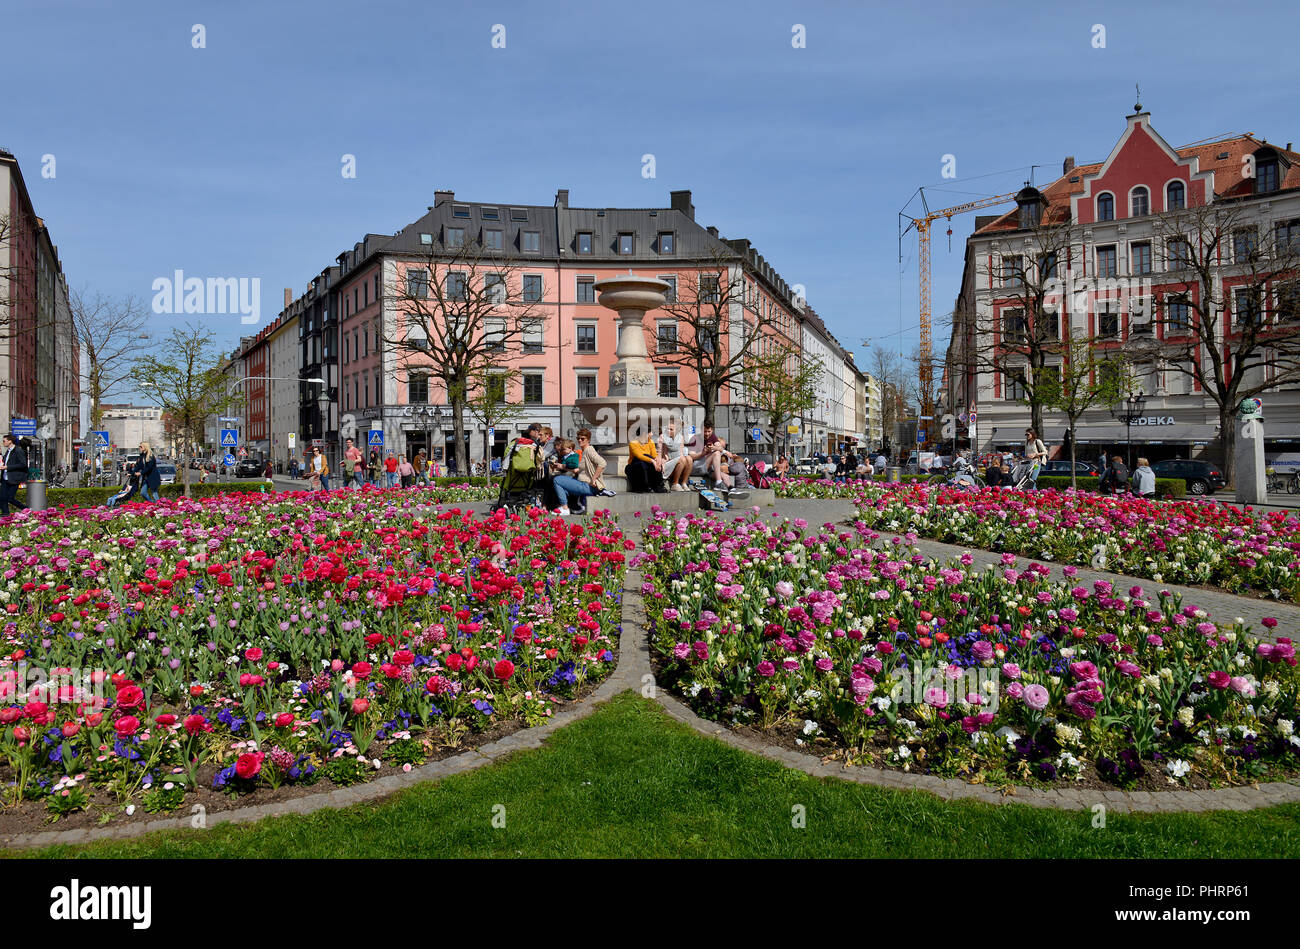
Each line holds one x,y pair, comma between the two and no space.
922,225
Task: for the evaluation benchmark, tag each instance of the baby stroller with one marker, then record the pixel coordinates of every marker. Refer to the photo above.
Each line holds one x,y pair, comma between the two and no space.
125,494
522,480
1022,476
758,475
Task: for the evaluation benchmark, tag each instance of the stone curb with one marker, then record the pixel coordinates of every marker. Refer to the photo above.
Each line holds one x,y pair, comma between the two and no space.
1242,798
633,661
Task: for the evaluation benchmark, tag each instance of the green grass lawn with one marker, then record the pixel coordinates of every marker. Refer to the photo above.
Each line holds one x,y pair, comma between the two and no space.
630,782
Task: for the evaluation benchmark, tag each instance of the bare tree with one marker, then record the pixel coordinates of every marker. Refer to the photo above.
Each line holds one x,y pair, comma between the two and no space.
716,333
188,385
886,367
781,386
110,332
461,310
1084,378
1019,336
1229,310
487,391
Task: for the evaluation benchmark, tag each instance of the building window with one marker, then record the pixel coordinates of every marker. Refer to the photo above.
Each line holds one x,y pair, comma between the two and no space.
417,390
584,242
1012,271
1107,324
626,244
1180,254
426,238
1245,241
532,288
1286,237
667,337
494,287
530,242
665,242
586,290
709,289
532,388
532,336
1051,325
1013,326
1105,207
1246,305
491,214
460,210
668,385
495,335
1175,196
1140,202
1047,266
455,237
519,214
1013,386
456,285
1106,262
586,333
670,295
587,385
1266,176
492,240
1288,301
417,283
1177,315
1141,254
376,288
496,387
416,338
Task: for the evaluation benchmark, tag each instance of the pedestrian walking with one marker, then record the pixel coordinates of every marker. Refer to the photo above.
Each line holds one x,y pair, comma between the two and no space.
354,458
421,468
316,470
390,468
1035,454
13,472
1144,480
406,471
146,469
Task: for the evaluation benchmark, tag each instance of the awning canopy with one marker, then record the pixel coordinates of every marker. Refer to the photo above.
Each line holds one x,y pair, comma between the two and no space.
1180,433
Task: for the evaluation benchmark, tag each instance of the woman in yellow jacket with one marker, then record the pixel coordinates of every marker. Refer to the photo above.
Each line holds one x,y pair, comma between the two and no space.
645,468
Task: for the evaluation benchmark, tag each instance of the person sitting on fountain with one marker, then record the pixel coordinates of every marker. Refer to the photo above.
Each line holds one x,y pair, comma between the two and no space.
585,481
645,468
705,453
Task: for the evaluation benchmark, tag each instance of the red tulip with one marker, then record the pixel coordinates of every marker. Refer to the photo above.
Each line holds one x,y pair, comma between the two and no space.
504,669
359,706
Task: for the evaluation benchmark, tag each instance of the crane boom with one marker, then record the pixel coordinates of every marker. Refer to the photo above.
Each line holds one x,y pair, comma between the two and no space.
922,225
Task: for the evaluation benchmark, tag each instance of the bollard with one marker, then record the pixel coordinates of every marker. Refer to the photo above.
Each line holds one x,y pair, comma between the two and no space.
36,495
895,475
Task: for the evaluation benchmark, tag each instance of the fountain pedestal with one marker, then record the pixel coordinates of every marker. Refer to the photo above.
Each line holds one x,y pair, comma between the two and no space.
633,404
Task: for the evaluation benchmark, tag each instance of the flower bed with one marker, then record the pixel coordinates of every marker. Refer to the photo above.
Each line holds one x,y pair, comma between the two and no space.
996,676
1167,541
254,642
442,491
828,488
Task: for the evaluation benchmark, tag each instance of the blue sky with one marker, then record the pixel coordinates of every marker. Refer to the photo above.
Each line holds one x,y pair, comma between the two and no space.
225,161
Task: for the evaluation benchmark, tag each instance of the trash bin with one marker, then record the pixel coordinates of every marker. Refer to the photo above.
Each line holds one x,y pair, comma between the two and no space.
894,475
36,495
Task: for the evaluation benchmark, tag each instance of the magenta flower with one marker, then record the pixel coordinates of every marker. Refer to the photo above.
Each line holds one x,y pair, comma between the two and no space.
1036,697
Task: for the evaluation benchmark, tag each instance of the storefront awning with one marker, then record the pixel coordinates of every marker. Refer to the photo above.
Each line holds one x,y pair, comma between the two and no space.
1180,433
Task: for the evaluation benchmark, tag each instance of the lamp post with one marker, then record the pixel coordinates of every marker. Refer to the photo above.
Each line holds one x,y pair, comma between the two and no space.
1133,408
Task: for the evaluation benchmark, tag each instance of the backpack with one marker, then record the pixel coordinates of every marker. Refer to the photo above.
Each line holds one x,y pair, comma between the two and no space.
523,461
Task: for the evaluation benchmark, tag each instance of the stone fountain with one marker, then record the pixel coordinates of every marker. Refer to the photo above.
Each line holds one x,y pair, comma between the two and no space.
633,403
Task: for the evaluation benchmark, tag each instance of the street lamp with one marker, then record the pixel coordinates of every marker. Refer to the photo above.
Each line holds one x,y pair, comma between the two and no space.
1133,408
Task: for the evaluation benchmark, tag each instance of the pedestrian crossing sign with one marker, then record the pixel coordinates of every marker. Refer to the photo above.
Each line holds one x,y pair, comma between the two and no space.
229,438
376,438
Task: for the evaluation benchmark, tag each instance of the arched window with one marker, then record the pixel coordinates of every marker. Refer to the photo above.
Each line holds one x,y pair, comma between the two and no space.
1105,207
1139,202
1175,196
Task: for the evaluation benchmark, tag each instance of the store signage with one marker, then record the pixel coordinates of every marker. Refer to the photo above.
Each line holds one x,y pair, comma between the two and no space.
1155,420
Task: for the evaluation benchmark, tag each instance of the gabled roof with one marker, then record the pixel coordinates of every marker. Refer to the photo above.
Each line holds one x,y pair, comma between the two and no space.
1225,158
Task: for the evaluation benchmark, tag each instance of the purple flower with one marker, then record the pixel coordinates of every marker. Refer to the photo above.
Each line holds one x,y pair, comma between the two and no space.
1036,697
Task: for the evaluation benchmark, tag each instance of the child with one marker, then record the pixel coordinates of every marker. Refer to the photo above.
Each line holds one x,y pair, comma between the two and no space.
128,491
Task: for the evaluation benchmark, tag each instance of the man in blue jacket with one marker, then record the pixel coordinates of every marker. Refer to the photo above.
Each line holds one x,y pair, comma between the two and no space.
13,472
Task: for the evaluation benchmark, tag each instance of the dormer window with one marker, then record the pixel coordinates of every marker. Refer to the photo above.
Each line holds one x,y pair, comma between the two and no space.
1030,202
1139,202
1266,175
1105,207
1175,196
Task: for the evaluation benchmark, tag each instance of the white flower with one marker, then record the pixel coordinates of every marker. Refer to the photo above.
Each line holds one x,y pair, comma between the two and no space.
1186,715
1178,767
810,727
904,751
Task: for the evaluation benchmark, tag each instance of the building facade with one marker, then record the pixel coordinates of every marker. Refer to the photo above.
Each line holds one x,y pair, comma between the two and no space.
129,425
39,357
1121,281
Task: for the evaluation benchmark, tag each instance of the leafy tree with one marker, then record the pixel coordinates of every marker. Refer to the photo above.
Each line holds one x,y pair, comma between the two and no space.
782,386
1083,379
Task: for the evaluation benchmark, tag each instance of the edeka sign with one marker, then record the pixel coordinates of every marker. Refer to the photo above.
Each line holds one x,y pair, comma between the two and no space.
1154,420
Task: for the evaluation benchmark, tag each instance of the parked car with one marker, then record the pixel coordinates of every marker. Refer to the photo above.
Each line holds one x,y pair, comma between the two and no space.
249,468
1201,476
167,473
1061,469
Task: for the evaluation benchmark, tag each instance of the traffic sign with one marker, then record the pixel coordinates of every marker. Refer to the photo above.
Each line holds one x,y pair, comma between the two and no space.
229,460
99,439
23,426
227,418
376,438
293,438
229,438
920,436
756,434
492,432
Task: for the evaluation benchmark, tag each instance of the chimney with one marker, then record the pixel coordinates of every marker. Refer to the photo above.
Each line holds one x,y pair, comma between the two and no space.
713,231
562,198
1067,166
440,196
288,297
681,201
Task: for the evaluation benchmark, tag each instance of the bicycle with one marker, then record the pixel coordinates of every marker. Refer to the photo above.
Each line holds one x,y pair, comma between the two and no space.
1293,483
1276,482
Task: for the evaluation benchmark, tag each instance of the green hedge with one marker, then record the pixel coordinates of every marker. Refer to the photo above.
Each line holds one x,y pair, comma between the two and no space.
1165,487
93,497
